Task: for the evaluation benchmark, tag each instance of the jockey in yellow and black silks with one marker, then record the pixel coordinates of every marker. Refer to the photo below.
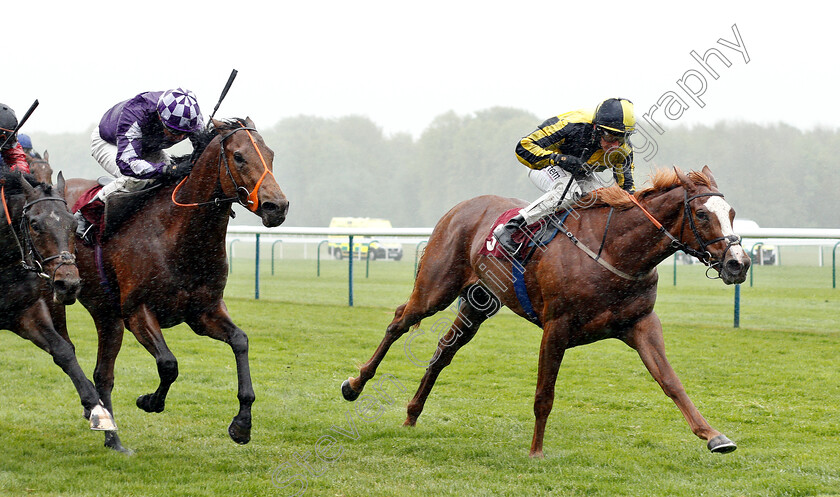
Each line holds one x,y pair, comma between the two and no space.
564,152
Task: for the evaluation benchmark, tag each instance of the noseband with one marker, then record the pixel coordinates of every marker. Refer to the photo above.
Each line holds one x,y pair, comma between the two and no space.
703,255
28,251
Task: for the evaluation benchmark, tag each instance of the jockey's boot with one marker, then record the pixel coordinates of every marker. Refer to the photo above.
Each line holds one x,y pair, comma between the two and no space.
504,233
83,228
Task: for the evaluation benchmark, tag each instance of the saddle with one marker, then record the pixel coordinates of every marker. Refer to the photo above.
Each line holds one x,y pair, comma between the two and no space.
118,208
537,234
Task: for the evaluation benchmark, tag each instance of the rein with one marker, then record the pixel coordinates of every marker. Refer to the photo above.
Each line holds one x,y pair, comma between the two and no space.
38,261
251,201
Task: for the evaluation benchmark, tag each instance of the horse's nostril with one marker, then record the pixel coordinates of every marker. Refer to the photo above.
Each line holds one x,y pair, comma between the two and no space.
68,287
733,265
275,208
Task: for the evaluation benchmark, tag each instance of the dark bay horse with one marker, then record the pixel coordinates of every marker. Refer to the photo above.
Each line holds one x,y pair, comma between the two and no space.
40,167
37,267
576,300
167,264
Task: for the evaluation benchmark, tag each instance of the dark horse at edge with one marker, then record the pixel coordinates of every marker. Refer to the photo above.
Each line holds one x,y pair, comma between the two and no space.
167,264
576,300
37,267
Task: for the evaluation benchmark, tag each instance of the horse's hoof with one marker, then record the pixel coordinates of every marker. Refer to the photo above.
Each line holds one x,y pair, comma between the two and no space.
348,392
147,403
239,434
721,445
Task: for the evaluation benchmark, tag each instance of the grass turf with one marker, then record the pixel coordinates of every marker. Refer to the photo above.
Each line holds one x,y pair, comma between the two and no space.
770,385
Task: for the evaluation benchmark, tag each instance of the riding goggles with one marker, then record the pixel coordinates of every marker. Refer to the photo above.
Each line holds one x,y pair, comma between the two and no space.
612,136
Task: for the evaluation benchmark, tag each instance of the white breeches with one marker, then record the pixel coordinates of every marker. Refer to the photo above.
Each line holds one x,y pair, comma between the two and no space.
106,155
553,180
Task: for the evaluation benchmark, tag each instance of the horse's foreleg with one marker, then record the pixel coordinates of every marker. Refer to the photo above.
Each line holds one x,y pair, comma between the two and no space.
646,338
552,349
58,314
463,329
109,328
144,324
218,324
36,325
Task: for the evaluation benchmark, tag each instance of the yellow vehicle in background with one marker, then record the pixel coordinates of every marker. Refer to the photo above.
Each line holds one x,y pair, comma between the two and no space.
339,246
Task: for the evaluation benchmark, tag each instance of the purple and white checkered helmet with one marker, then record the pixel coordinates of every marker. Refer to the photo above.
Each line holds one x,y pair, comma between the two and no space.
179,110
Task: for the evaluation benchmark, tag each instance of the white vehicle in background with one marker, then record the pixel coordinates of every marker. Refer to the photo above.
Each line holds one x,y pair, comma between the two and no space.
339,246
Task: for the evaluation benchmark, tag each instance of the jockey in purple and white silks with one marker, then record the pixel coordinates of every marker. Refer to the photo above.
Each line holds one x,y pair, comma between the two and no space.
132,136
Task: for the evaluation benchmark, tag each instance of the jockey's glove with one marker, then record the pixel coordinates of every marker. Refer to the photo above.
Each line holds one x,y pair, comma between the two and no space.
178,169
569,163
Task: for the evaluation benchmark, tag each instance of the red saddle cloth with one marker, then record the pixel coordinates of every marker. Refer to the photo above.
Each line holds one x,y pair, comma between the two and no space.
92,210
491,246
85,198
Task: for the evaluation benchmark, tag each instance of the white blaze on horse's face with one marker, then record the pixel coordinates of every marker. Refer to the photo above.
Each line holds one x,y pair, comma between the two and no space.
720,208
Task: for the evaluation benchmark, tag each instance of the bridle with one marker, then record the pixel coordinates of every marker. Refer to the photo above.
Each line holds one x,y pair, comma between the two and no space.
251,201
677,244
28,250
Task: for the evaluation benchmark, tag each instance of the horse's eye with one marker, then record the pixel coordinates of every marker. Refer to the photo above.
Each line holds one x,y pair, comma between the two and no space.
35,225
238,158
701,215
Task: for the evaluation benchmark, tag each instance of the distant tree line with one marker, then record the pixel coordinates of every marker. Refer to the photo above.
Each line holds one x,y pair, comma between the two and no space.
777,175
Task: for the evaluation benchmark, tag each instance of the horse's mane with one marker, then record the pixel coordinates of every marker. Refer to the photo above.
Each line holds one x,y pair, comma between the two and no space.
203,137
11,181
662,180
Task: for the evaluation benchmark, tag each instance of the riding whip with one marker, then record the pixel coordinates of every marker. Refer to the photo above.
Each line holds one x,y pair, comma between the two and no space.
232,76
20,123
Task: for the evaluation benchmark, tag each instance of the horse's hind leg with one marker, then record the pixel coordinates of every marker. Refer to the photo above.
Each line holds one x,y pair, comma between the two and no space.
437,285
477,304
218,324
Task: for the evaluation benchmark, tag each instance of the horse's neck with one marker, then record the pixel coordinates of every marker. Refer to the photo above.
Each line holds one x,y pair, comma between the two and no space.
207,222
641,246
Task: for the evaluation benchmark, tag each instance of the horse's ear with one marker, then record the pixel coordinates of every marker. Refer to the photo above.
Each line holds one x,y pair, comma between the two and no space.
217,124
684,179
28,189
59,184
46,155
249,122
708,173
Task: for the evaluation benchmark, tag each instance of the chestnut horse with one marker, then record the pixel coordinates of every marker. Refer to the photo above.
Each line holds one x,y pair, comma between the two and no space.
577,297
167,265
37,267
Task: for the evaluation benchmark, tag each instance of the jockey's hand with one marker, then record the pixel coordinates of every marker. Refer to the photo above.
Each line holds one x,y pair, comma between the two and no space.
569,163
178,169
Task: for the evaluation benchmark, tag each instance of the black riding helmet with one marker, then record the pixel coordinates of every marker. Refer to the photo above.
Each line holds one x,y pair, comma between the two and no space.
8,123
615,115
